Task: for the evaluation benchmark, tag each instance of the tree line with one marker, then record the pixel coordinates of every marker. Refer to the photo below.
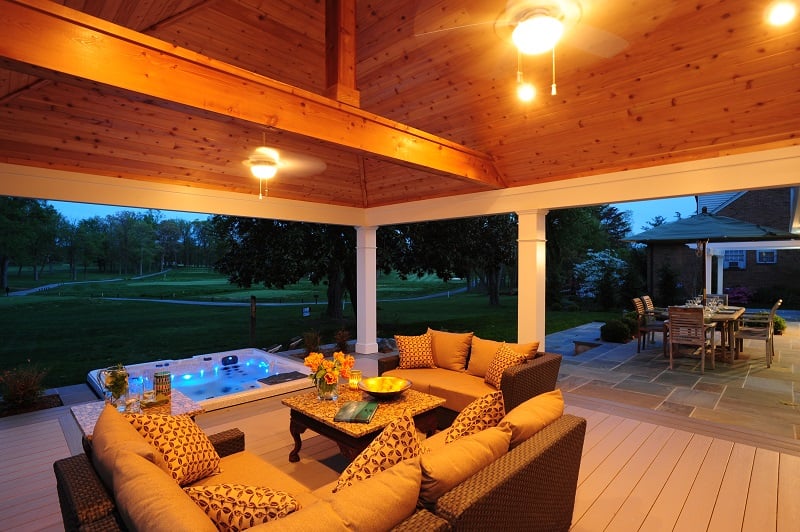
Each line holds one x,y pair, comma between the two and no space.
34,234
587,258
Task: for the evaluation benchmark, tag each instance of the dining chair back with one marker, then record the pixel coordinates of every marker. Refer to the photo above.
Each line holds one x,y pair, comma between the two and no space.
647,325
687,326
758,327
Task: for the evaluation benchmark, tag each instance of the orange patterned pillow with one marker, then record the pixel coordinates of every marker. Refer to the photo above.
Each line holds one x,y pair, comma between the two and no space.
415,351
187,451
504,358
235,507
482,413
397,442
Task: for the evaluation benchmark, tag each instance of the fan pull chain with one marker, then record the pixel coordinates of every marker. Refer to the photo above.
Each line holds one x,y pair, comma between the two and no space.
553,91
262,185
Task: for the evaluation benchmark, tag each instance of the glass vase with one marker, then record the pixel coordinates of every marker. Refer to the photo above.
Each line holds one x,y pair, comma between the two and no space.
327,392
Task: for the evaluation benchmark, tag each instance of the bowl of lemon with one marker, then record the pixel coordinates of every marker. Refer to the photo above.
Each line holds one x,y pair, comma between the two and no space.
384,387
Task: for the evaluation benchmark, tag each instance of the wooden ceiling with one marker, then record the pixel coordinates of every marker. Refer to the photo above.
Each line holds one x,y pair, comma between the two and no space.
397,109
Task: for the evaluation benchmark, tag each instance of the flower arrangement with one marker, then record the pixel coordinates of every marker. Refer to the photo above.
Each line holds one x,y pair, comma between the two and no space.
325,372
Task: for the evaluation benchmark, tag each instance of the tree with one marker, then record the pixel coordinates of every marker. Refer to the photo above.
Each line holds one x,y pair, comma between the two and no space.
277,253
483,247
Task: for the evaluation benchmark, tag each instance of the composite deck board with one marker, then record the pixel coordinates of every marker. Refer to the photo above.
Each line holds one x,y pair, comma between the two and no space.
762,494
788,516
728,513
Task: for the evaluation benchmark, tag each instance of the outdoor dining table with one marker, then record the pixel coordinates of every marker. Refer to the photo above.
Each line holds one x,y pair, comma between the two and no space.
727,317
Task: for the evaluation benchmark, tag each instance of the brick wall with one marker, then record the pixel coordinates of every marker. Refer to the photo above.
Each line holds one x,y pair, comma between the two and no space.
765,207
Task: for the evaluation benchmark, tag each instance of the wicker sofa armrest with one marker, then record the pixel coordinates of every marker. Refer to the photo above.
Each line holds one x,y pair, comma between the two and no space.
523,381
388,363
228,442
422,520
82,496
531,488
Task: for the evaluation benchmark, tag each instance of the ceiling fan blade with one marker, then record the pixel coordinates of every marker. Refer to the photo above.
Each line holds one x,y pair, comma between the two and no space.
298,165
431,19
595,41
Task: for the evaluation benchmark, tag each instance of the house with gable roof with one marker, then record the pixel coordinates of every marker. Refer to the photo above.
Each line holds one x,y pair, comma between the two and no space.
761,271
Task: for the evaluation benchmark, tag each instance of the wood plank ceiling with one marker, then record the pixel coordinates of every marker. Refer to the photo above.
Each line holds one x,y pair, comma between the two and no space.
437,111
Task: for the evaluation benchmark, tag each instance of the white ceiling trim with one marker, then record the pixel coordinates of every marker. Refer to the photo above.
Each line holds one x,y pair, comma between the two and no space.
761,169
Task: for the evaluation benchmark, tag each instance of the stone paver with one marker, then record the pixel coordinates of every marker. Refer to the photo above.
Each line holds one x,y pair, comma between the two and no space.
743,393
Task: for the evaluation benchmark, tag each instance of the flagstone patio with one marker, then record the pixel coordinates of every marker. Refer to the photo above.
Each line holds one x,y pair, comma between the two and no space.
744,393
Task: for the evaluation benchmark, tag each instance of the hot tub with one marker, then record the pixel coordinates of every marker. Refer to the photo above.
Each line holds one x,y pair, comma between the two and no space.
218,380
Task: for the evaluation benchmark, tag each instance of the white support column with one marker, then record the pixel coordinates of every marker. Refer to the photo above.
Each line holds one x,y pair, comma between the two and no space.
367,290
720,264
707,269
531,283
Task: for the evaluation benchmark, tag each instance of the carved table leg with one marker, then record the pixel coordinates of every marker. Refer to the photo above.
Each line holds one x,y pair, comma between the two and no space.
296,429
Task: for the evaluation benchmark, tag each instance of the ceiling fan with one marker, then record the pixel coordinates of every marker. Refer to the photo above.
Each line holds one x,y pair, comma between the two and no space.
265,163
527,18
535,27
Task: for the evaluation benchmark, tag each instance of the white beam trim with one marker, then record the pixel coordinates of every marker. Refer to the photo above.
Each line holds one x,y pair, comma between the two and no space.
48,184
774,168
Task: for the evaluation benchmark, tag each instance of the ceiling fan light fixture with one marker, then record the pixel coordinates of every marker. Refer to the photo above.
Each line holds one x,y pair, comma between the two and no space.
537,33
781,13
526,92
263,169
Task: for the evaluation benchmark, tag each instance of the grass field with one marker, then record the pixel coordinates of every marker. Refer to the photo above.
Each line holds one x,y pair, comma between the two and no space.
71,329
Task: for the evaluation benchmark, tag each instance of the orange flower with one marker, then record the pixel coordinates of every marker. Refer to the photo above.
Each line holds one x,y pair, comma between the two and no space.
329,369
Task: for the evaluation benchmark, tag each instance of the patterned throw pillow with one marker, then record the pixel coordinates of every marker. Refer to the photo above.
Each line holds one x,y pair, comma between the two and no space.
415,351
187,451
482,413
394,444
504,358
235,507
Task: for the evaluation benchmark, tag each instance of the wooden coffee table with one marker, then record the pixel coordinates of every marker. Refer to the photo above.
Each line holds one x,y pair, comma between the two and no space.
308,412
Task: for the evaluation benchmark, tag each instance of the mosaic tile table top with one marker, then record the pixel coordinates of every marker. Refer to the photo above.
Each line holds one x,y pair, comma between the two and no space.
86,414
388,409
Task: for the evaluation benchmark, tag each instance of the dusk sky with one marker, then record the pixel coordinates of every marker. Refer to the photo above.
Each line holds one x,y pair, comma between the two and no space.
642,211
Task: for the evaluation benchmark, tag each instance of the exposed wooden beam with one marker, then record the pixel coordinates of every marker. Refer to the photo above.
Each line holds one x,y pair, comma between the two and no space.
340,51
45,37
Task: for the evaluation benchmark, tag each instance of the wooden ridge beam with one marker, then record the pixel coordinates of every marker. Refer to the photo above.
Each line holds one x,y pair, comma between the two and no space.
45,36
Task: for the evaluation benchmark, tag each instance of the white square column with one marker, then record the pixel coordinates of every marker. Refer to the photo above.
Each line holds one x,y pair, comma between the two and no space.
532,252
366,290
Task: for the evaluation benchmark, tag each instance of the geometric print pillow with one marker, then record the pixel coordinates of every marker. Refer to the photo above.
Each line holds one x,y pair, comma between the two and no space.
482,413
397,442
187,451
415,351
505,357
235,507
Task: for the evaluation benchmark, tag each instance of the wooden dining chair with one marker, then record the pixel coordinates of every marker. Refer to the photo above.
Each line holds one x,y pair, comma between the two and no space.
758,327
687,326
648,325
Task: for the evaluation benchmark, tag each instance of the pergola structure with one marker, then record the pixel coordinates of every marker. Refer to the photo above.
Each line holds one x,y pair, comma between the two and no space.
410,105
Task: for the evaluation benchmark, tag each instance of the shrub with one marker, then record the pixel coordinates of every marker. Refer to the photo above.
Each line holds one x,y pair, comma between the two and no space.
311,341
22,386
631,319
341,338
779,325
615,331
739,295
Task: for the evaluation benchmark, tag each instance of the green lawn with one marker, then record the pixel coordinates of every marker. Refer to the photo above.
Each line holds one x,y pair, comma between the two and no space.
76,331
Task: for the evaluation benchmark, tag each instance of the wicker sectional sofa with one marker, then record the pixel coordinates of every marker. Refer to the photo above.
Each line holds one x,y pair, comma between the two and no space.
529,487
461,361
